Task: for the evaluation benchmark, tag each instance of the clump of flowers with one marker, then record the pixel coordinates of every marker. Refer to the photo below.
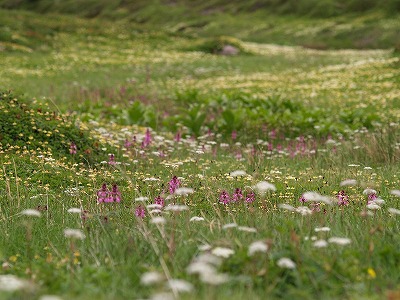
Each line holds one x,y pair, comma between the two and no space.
237,195
103,195
174,184
342,197
111,160
115,194
302,199
224,197
250,197
140,212
159,201
72,148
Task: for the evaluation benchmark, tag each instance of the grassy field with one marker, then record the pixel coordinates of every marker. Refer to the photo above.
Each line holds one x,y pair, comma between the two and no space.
188,174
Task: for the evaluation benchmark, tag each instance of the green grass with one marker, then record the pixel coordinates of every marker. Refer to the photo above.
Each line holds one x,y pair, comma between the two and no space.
304,119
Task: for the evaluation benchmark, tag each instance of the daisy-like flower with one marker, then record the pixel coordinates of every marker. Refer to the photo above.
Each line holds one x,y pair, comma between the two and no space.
316,197
222,252
262,187
339,241
150,278
257,247
31,213
196,219
74,210
180,285
237,173
320,244
183,191
373,206
74,234
286,263
348,182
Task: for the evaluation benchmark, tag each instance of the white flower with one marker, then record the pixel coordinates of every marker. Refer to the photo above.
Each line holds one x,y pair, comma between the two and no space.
204,247
394,211
238,173
369,191
313,238
196,219
31,213
183,191
176,207
262,187
158,220
353,165
315,197
318,229
222,252
209,259
199,267
320,244
348,182
155,211
10,283
339,241
141,199
50,297
74,210
162,296
154,206
151,179
395,192
373,206
150,278
214,278
378,201
74,233
180,285
286,207
258,246
304,210
229,225
286,263
247,229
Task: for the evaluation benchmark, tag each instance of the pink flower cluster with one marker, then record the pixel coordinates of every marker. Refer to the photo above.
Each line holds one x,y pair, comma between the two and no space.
107,196
237,196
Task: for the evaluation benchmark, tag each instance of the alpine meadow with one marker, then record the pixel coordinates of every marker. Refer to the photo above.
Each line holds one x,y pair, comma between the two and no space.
176,149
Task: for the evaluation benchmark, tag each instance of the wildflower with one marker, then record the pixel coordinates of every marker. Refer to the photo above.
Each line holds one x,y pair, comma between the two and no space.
196,219
262,187
371,273
286,263
304,210
229,225
348,182
178,137
258,246
158,220
141,199
315,207
147,138
222,252
237,173
74,210
31,213
250,197
371,198
237,195
154,206
204,247
173,184
373,206
302,199
180,285
111,160
339,241
183,191
127,144
214,278
323,229
11,283
103,195
342,198
320,244
72,148
224,197
394,211
176,208
315,197
234,135
150,278
74,234
395,192
115,194
200,267
369,191
159,201
247,229
286,207
140,212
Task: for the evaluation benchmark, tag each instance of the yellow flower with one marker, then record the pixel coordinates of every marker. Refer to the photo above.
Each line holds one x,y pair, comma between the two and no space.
371,273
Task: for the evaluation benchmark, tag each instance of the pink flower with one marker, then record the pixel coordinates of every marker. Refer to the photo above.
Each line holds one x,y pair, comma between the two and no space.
72,148
250,197
159,200
302,199
115,194
174,184
224,197
343,199
372,197
237,195
234,135
140,212
112,160
103,195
